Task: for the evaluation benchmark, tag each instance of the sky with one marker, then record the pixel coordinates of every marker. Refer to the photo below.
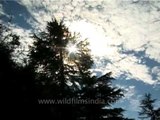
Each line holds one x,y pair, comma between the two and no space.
124,38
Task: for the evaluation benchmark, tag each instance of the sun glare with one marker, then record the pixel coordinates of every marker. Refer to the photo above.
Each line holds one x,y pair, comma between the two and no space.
72,49
94,34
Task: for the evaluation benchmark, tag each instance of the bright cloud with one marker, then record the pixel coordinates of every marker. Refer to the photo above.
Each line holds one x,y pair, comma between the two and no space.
103,46
123,34
113,29
131,66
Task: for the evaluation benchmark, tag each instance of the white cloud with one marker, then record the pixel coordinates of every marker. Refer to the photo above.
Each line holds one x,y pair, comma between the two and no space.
113,27
133,69
118,25
156,72
153,51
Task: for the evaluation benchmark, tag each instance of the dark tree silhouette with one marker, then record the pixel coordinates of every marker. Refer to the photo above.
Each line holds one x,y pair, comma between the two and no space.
147,108
8,43
8,69
62,64
17,82
58,68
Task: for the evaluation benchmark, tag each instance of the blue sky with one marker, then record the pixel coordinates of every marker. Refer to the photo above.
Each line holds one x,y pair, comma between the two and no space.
124,37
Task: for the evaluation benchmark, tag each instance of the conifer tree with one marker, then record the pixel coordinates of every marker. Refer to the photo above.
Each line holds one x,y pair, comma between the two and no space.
62,64
148,110
17,81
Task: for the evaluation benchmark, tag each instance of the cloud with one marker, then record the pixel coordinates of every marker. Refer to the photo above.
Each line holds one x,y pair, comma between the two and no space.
132,68
133,98
156,72
130,92
123,34
120,63
152,50
130,101
116,30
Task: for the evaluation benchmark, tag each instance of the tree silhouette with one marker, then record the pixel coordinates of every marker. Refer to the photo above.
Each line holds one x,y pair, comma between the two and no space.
147,108
58,68
8,69
61,63
8,43
17,82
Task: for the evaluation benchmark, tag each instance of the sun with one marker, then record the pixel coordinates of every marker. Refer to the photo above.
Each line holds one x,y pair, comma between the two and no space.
72,49
95,35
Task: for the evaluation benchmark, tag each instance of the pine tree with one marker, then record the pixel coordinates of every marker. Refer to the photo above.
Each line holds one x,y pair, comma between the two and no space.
10,86
62,64
8,43
147,108
17,82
